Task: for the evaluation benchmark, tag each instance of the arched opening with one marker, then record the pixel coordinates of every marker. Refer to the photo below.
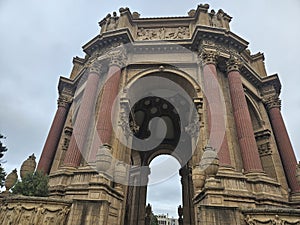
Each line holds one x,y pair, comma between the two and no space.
161,108
164,192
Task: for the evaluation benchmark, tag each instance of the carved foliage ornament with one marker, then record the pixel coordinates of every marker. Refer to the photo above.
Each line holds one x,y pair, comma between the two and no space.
208,56
272,102
233,64
64,101
118,56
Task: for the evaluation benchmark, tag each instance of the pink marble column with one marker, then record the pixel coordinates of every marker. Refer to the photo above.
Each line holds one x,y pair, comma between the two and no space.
104,124
83,120
284,145
216,109
55,132
244,128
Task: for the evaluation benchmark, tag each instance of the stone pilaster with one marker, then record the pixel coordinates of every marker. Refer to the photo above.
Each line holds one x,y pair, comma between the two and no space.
49,150
216,108
244,128
287,155
81,127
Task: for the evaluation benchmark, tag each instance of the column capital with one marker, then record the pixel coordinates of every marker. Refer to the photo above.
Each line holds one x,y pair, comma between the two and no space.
208,57
233,64
65,99
118,56
272,102
96,67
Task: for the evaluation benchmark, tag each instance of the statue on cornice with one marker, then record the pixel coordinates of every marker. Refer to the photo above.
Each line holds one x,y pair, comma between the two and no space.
215,18
112,21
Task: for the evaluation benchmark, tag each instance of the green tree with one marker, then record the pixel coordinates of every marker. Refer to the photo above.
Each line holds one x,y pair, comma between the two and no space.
35,184
3,149
154,220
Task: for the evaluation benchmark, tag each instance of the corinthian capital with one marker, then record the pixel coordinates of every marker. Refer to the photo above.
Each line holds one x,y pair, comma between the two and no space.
96,67
118,56
208,57
272,102
233,64
64,100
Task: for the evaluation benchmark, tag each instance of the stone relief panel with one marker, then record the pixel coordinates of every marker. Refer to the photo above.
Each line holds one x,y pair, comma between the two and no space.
35,214
163,33
276,220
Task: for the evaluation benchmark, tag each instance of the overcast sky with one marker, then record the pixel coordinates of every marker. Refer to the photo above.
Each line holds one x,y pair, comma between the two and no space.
39,39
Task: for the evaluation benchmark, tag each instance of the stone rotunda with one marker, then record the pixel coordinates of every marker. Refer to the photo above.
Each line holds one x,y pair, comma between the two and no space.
183,86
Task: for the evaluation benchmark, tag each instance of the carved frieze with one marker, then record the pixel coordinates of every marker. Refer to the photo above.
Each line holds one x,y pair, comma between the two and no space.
276,220
26,215
163,33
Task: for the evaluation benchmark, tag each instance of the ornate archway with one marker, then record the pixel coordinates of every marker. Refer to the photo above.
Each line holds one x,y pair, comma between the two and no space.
160,117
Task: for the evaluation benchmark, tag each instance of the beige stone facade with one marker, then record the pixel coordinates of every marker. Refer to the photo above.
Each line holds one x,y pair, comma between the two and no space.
238,166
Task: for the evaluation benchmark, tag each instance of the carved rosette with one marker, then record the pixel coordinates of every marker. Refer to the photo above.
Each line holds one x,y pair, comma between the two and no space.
233,64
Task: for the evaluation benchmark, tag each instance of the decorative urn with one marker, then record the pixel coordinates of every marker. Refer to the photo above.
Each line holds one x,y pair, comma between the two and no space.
28,166
210,161
198,176
11,180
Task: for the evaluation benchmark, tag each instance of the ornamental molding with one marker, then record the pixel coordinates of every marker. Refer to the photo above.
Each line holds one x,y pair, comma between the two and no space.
163,33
